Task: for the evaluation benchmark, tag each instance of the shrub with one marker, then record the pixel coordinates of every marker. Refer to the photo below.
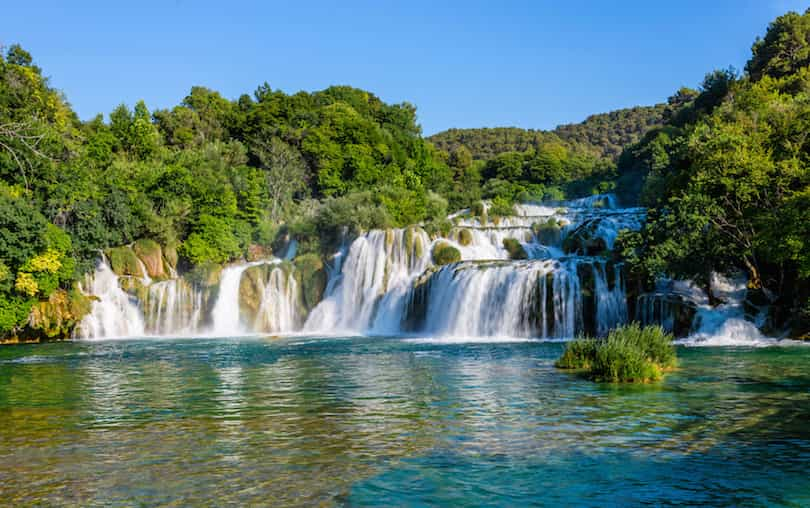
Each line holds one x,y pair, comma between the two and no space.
443,253
514,248
578,354
123,261
213,240
502,207
465,237
629,353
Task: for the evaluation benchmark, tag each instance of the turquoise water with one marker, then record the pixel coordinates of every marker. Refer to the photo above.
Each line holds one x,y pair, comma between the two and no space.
394,422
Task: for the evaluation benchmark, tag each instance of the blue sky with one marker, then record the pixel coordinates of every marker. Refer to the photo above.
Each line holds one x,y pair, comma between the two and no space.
533,64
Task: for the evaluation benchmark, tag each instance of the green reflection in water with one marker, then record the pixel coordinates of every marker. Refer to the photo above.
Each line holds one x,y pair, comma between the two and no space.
370,421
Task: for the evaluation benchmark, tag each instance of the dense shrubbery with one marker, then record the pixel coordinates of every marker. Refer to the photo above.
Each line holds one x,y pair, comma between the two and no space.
629,353
728,177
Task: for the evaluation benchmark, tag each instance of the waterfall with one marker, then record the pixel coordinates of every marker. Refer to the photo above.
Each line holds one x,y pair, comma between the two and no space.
225,315
543,298
377,270
113,313
726,324
278,310
385,282
176,307
388,284
611,299
172,307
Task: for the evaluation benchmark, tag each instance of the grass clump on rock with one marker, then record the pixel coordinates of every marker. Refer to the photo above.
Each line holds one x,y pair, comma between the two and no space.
629,354
443,253
465,237
514,248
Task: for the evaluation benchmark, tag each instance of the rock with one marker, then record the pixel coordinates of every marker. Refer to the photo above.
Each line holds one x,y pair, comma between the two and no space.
464,237
170,254
312,278
514,248
205,275
251,290
56,318
123,261
585,241
150,253
134,286
549,232
257,252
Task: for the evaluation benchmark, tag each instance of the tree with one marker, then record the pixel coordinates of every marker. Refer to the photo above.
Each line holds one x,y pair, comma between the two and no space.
285,173
785,48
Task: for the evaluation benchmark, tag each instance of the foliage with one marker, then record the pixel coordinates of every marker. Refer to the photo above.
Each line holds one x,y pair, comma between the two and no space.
629,353
443,253
514,248
728,177
212,241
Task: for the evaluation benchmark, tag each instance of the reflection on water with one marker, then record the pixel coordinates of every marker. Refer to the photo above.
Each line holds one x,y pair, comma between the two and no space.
392,421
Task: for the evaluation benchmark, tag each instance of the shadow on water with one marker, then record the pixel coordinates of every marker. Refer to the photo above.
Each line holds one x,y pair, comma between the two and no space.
369,421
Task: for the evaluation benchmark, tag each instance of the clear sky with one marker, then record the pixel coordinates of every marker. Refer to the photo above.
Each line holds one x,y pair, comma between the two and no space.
532,64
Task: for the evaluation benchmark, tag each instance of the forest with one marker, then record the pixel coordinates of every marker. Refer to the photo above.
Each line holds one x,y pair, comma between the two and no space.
723,170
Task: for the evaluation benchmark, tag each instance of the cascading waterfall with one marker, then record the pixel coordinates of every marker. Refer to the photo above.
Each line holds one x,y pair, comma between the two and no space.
383,286
172,307
377,272
113,314
384,282
226,315
726,324
544,298
278,311
611,299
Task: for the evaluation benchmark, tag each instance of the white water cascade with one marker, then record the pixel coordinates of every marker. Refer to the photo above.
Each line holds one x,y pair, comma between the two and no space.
388,283
225,315
725,324
173,307
377,272
384,282
278,311
113,314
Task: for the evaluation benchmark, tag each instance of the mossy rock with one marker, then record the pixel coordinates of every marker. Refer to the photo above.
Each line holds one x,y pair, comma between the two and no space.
465,237
549,232
443,253
205,275
151,255
124,261
57,317
251,290
418,248
584,240
257,252
133,286
312,277
515,249
170,253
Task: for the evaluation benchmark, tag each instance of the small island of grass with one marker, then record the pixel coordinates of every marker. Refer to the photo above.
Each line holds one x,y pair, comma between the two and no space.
629,354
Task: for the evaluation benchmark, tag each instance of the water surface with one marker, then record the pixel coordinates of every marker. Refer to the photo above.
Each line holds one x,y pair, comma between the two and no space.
393,421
